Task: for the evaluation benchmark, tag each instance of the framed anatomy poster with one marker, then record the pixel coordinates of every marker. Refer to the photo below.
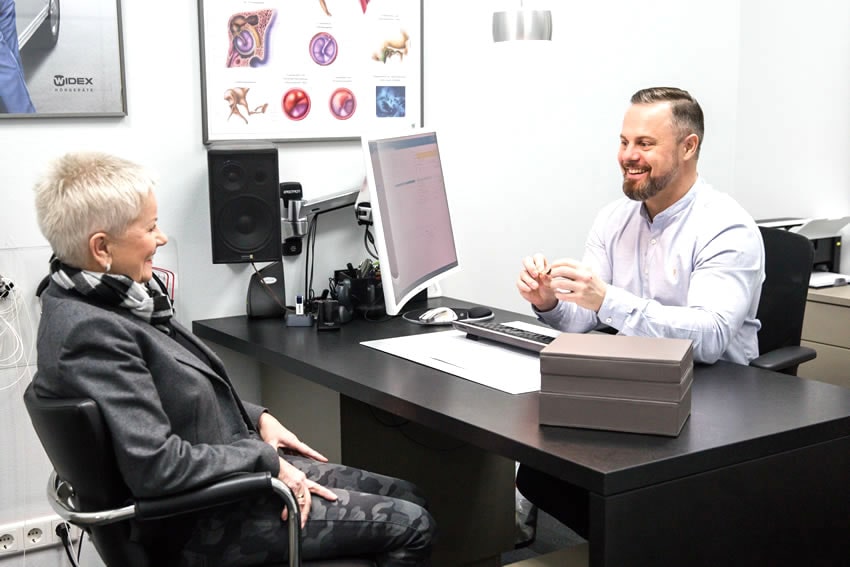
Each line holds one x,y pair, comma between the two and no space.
309,69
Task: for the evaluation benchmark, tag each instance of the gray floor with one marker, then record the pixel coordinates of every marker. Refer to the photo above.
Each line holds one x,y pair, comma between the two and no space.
551,536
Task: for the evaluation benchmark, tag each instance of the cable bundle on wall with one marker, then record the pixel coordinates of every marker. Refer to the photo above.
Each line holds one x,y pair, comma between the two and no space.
13,352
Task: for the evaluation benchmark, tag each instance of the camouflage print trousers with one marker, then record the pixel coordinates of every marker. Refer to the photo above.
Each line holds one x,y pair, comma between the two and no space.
374,515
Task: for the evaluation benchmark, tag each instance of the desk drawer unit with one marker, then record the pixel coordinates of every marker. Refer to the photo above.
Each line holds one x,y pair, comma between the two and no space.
826,328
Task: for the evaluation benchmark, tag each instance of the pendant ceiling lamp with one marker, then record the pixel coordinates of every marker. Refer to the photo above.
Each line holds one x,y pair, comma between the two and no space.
522,24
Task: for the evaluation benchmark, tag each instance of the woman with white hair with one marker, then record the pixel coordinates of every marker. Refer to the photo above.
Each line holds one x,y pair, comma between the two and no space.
175,419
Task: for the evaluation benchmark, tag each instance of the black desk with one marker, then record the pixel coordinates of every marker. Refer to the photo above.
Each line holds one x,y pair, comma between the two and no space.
760,474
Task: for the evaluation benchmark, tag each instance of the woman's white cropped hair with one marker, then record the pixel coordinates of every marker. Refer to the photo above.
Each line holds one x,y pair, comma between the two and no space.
87,192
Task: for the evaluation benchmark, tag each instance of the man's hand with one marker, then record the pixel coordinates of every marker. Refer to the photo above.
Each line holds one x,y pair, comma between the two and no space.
533,283
570,280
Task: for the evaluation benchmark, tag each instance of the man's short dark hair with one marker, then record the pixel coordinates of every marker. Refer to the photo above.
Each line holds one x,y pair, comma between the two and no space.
687,114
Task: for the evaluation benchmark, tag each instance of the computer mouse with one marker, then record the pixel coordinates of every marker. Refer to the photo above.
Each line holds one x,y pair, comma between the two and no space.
439,315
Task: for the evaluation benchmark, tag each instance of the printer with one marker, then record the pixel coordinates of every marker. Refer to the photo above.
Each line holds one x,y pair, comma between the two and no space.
826,237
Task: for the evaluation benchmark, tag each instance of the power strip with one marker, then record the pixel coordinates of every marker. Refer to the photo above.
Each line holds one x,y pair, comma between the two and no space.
32,534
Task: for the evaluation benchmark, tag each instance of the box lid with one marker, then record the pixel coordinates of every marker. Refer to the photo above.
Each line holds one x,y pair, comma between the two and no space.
618,356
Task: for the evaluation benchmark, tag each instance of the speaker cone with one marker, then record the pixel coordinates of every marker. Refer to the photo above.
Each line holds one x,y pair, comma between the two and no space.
246,224
232,176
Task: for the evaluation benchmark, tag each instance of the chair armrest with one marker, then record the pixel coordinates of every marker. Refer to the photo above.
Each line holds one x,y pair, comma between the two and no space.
603,328
62,498
784,357
224,491
61,495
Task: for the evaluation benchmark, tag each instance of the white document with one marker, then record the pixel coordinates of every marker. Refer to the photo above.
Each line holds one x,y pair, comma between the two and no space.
505,369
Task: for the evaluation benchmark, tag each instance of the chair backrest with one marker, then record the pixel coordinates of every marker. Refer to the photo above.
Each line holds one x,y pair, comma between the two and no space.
78,445
788,266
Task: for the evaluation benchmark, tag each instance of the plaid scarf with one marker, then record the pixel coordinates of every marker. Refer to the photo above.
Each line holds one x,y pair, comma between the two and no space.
142,300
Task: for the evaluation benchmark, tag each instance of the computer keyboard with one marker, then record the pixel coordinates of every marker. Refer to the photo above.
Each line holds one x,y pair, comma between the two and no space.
505,334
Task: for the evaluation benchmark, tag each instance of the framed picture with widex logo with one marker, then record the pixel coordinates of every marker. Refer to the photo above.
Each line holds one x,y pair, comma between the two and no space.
61,58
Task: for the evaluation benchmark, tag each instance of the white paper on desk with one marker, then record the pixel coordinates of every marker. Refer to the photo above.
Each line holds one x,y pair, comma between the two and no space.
506,369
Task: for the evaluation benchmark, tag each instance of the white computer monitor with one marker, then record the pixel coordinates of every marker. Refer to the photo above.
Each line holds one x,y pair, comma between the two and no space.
410,213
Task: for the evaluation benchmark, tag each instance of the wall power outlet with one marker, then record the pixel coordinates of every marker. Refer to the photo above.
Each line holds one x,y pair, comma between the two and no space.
11,538
37,532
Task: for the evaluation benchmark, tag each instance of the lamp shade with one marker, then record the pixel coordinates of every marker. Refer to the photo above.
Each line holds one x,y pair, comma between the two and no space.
522,24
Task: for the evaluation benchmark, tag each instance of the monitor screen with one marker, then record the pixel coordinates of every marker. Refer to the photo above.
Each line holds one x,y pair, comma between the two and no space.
410,213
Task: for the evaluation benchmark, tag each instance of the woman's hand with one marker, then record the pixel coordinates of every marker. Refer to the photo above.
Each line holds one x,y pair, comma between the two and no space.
303,490
279,437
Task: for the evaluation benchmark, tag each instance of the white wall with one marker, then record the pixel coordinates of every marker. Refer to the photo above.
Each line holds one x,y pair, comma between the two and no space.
528,134
794,108
529,131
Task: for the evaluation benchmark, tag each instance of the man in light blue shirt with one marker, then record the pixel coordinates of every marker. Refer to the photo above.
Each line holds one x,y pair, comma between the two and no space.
675,258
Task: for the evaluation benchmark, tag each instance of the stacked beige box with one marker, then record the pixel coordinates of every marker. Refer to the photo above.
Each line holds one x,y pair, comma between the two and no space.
615,382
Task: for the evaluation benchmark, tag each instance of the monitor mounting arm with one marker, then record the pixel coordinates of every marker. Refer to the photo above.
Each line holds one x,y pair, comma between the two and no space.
298,212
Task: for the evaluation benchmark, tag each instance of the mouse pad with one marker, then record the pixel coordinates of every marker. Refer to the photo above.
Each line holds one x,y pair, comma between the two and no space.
462,315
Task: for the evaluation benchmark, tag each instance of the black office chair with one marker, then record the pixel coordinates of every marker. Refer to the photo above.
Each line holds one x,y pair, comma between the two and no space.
87,490
788,266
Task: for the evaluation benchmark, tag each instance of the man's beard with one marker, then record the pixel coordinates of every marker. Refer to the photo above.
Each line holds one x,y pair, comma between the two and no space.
650,187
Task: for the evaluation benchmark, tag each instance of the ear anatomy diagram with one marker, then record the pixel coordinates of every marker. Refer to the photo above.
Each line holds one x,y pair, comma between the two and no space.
324,6
247,35
393,47
238,96
323,48
390,101
342,104
296,104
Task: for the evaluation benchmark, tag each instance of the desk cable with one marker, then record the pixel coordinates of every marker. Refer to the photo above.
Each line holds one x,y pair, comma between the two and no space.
268,289
401,424
310,261
13,352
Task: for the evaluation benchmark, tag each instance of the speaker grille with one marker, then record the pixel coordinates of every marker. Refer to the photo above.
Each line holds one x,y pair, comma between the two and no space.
246,224
244,205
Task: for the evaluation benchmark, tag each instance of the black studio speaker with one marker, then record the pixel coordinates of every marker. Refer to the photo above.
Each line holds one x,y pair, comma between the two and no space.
244,204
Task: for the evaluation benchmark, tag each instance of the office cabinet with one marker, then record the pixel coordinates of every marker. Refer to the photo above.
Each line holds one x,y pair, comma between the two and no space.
826,328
